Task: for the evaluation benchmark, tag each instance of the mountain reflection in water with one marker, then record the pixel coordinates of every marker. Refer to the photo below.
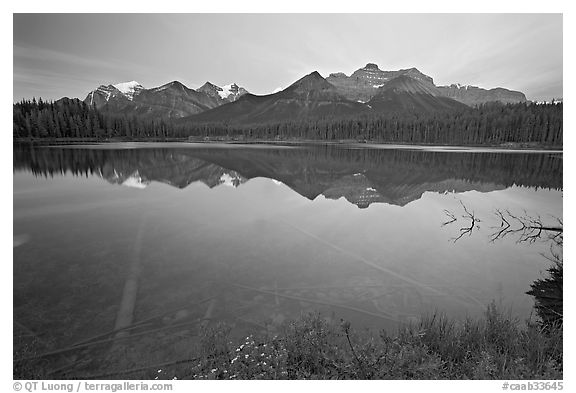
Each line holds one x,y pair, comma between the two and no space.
361,176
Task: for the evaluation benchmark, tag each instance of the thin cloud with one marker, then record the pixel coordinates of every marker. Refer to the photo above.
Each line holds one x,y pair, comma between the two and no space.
47,55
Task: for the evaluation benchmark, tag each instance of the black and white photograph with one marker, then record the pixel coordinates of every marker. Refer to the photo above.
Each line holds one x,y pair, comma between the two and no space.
286,196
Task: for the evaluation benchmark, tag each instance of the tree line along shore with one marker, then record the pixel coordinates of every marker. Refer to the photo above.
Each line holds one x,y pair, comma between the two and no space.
523,125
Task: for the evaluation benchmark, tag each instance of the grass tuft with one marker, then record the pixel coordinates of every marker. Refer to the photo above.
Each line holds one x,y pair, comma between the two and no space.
312,347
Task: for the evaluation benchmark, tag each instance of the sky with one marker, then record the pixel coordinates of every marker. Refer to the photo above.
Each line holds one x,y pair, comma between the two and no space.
58,55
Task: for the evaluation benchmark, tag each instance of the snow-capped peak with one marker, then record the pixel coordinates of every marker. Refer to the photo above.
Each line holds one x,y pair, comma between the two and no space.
230,92
227,90
459,86
129,89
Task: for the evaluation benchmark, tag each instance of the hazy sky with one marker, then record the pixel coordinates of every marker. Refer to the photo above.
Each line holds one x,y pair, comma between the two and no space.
58,55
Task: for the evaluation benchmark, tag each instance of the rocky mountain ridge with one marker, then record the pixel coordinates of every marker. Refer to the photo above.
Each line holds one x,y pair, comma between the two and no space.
309,97
473,95
363,84
226,93
171,100
368,89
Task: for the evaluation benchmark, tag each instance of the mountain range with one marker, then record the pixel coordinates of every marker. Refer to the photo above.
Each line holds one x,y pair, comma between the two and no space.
366,90
172,100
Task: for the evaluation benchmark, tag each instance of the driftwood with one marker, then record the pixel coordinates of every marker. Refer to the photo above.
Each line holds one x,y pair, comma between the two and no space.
527,227
142,323
374,265
113,339
136,325
69,362
388,317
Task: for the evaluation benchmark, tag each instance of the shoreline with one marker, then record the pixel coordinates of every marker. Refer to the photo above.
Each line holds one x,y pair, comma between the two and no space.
85,142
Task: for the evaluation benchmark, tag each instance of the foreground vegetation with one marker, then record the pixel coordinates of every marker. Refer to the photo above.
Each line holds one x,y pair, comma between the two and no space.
311,347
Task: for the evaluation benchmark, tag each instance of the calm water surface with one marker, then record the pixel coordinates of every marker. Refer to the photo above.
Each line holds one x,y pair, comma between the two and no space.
270,232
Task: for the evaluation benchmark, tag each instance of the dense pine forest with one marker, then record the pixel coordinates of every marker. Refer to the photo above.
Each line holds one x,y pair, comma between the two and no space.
72,118
488,124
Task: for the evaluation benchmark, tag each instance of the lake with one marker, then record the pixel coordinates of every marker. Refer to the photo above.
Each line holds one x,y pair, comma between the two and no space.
113,234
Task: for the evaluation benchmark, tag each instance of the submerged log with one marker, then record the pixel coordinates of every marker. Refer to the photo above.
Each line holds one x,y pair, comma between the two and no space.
143,322
387,317
129,294
209,313
109,340
372,264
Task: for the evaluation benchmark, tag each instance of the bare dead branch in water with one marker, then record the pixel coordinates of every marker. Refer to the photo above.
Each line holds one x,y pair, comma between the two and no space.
451,217
473,223
504,227
529,229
